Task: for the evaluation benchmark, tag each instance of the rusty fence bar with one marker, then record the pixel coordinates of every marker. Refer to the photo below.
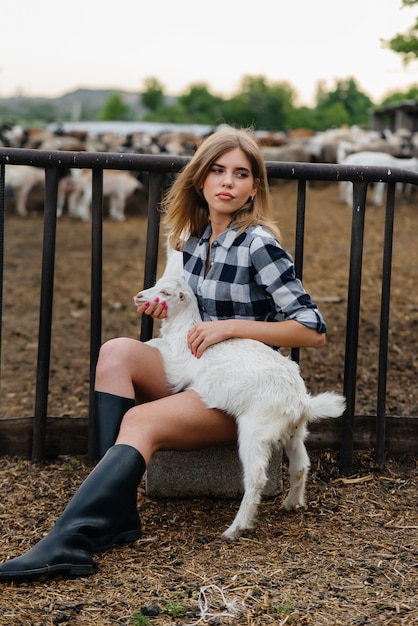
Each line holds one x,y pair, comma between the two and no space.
158,167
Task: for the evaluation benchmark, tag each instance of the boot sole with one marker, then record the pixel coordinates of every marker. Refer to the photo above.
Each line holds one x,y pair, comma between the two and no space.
66,569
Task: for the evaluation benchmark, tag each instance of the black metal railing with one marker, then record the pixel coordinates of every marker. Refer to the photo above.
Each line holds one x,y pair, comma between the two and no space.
157,168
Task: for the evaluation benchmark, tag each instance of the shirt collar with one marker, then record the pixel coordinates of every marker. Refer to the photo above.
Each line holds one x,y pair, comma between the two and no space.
225,239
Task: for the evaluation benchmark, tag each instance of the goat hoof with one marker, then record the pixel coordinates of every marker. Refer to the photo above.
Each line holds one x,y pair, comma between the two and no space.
231,534
292,506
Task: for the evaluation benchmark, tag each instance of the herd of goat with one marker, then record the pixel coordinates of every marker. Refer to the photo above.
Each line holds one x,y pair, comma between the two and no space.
353,146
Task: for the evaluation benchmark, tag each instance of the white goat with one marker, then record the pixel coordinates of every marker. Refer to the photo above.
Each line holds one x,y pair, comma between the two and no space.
381,159
22,179
257,385
117,186
174,261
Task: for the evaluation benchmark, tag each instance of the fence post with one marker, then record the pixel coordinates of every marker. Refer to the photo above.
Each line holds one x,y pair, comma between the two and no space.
96,298
2,202
384,326
45,314
151,251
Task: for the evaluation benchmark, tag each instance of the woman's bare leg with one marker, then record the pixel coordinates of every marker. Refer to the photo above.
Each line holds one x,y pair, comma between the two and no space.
178,422
162,421
131,369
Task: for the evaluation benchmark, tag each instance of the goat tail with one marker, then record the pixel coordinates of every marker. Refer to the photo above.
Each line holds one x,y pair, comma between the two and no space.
327,404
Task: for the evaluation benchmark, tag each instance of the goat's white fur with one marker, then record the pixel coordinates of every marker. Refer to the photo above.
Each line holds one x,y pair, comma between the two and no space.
380,159
261,388
174,261
118,185
22,179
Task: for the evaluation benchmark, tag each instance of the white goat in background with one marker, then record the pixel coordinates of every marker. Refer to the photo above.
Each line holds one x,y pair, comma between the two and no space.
23,179
381,159
118,185
257,385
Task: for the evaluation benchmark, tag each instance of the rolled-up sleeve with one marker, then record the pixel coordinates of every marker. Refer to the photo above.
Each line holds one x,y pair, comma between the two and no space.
275,273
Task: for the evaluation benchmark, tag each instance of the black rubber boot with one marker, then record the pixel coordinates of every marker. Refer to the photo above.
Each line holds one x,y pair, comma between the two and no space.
96,509
109,411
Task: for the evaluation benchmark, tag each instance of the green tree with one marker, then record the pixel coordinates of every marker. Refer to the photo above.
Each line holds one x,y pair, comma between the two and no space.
268,106
353,105
260,104
400,96
304,117
235,111
332,115
152,96
405,44
115,109
173,113
201,106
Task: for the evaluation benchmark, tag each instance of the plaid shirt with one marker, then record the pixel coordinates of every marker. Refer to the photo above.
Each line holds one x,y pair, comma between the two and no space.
250,277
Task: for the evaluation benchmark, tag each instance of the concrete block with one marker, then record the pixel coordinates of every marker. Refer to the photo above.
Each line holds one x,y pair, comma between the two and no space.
213,471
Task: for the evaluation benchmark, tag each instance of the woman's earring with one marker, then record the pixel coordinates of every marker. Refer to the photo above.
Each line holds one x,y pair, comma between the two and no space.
252,198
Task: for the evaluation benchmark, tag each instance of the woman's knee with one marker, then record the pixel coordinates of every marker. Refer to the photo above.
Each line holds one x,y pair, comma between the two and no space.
127,365
115,353
112,347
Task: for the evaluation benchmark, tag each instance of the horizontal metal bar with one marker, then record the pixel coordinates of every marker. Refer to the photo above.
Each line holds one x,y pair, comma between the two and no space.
167,163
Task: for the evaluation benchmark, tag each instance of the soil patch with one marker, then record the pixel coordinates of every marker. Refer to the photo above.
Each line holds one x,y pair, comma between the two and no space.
349,558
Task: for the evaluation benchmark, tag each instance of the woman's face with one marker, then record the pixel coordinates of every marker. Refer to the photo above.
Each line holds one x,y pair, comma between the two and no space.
228,185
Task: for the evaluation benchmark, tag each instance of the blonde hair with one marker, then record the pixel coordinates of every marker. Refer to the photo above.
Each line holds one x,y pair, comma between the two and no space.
186,210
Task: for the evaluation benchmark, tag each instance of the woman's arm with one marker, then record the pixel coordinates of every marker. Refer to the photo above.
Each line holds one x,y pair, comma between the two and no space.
286,334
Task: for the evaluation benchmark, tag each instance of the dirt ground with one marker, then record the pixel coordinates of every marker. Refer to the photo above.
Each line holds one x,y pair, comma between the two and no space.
348,558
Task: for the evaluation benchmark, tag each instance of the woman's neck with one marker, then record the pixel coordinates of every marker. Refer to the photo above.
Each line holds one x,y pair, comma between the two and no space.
218,227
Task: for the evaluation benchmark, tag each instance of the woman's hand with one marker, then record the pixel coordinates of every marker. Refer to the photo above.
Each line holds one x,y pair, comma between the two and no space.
205,334
157,309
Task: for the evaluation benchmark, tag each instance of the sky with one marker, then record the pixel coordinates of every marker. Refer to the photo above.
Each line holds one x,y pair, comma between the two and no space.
49,48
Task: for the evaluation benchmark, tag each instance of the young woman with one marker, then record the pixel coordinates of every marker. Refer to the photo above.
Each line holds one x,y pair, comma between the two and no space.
218,212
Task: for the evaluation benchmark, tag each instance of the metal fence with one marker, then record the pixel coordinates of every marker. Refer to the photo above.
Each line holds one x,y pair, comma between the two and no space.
157,168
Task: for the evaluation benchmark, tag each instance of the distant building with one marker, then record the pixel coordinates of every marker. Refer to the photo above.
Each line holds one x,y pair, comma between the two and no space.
395,116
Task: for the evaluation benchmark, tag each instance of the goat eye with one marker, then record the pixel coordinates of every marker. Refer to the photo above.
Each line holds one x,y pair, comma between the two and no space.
164,292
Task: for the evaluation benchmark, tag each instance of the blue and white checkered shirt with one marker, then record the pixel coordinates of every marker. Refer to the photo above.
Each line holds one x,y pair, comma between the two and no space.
250,277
